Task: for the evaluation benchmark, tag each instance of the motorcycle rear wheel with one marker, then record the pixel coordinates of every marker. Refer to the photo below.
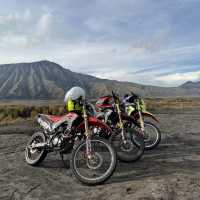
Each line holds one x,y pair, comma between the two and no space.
35,156
152,135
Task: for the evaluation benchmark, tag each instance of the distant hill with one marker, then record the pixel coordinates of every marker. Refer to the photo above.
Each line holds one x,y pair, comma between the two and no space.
191,85
48,80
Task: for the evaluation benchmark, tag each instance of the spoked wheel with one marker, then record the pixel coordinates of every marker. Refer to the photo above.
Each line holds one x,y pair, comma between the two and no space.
99,167
34,156
130,151
152,135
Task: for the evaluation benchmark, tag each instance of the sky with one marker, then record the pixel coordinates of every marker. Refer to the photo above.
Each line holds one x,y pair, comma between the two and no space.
152,42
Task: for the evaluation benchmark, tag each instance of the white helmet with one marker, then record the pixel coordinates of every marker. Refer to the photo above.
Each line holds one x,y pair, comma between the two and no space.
74,93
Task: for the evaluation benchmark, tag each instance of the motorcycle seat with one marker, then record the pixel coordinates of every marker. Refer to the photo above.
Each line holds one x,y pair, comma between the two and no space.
55,118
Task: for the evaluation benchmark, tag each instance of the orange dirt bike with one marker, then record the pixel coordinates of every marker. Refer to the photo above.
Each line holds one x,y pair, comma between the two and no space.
93,160
135,106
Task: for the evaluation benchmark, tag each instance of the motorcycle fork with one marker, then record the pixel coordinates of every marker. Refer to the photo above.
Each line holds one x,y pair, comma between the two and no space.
140,118
88,135
121,125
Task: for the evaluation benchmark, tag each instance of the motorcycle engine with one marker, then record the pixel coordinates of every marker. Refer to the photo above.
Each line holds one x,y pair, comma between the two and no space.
63,140
57,141
111,118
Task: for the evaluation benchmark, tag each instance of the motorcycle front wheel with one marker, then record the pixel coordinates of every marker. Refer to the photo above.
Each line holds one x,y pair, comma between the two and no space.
99,167
133,149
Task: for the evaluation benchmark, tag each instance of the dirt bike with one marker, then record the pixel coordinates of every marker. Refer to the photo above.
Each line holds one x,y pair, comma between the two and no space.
93,160
129,144
135,107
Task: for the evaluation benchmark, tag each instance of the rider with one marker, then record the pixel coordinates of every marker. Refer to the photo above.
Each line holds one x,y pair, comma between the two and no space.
74,99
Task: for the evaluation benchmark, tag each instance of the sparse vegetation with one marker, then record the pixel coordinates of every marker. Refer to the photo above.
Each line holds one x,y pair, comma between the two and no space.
160,104
11,112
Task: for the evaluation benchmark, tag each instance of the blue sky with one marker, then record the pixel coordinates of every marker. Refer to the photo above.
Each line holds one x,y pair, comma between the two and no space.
153,42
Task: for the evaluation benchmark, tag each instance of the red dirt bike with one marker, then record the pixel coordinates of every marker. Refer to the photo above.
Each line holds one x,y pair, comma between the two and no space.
136,114
135,107
93,160
128,143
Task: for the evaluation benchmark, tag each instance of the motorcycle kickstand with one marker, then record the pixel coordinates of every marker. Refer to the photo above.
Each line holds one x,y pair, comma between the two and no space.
62,157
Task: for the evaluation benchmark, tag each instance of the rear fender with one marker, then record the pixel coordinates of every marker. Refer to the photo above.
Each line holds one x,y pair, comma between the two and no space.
145,114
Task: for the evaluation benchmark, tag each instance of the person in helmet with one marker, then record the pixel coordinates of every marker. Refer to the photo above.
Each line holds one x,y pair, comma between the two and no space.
74,98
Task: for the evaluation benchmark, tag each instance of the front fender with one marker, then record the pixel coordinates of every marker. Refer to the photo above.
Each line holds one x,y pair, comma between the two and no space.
129,118
93,121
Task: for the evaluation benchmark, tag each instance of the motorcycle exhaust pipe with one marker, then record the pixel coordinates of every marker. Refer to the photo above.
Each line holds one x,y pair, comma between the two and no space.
38,145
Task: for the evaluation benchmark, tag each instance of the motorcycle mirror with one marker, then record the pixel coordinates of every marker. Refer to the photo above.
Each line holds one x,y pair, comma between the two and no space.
135,95
114,96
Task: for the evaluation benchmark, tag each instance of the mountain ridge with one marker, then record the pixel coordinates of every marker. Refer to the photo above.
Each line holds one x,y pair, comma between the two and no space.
49,80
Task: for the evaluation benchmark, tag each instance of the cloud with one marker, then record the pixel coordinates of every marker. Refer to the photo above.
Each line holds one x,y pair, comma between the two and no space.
179,78
151,42
22,30
44,25
15,17
11,40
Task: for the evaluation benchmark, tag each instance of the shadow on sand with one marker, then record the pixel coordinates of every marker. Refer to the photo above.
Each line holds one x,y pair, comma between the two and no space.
178,156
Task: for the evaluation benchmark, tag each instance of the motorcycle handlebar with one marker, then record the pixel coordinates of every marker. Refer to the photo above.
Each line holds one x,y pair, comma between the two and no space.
135,95
115,97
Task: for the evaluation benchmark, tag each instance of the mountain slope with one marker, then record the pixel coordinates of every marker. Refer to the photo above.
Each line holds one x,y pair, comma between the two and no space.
48,80
35,80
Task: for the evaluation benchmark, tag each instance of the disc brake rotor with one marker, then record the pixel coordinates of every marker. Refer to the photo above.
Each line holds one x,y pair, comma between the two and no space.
128,146
33,150
95,161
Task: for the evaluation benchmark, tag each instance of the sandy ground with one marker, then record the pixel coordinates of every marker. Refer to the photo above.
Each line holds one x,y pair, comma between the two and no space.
172,171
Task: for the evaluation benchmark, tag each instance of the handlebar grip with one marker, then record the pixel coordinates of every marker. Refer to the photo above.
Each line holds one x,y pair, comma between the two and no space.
135,95
113,94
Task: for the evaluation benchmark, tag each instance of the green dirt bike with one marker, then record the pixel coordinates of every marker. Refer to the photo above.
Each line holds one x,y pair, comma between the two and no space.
135,106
